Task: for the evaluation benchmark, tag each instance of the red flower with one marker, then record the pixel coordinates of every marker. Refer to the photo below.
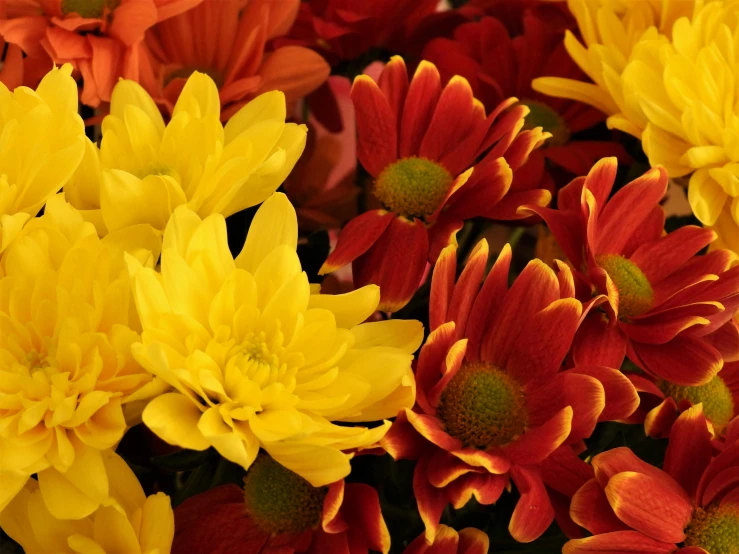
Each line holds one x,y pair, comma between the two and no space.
279,512
492,403
498,67
448,541
512,12
691,506
102,39
665,305
419,142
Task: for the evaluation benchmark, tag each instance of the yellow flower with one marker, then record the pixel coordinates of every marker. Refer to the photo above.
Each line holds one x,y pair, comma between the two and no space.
259,361
67,323
41,145
145,169
128,523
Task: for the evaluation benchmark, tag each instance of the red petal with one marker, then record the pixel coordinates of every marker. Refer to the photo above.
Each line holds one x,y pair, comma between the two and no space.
565,472
377,128
590,509
332,520
622,399
486,187
430,428
423,95
402,441
536,444
468,284
393,83
567,228
508,209
659,420
533,513
431,501
684,360
728,459
661,327
430,360
485,487
620,542
599,180
356,238
473,541
493,461
689,451
362,512
442,286
650,230
442,233
443,468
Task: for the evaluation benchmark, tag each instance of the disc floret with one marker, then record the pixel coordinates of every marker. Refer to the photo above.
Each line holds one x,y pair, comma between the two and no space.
413,187
635,294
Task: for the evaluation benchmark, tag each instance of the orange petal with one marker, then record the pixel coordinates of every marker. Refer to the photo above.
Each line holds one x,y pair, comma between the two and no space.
618,542
442,286
590,509
536,444
689,450
473,541
131,20
658,421
294,70
485,487
684,360
622,398
533,513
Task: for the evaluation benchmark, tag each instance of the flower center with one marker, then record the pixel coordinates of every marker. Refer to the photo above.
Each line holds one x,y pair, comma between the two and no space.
35,361
543,116
718,404
715,530
413,187
280,501
259,359
90,9
635,294
483,406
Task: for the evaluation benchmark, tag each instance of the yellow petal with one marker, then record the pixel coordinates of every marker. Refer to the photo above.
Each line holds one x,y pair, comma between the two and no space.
11,482
225,440
199,98
270,105
157,524
351,308
407,335
113,531
130,93
275,224
319,465
706,197
174,418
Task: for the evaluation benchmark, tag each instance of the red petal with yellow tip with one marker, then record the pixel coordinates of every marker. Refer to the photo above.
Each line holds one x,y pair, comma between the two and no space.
726,340
622,398
331,519
377,128
402,441
508,208
622,459
423,95
442,286
647,505
393,83
684,360
503,132
659,420
726,460
486,187
356,238
590,509
430,428
431,501
689,451
442,233
533,513
451,366
473,541
451,122
566,226
650,230
444,540
536,444
493,461
724,488
619,542
467,287
599,182
518,152
661,327
564,472
443,468
396,263
430,360
485,487
362,512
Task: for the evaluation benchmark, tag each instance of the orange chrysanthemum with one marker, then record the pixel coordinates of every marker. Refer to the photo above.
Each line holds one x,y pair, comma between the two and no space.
492,403
690,506
102,39
228,40
421,142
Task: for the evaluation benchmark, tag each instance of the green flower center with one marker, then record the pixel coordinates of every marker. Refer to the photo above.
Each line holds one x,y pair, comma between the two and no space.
715,530
718,404
543,116
280,501
483,406
635,294
89,9
413,187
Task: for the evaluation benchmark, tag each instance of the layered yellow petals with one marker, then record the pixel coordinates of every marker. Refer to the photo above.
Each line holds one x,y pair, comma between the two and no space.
41,145
145,169
128,522
67,323
258,361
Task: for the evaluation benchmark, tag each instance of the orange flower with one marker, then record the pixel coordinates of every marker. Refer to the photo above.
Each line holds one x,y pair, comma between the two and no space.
100,38
492,403
227,39
448,541
279,512
691,506
420,142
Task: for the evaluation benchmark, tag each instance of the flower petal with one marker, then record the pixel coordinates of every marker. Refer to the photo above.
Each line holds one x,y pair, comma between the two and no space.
377,127
534,512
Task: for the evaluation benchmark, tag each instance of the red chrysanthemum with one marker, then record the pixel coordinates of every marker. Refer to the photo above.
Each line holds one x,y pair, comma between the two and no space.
102,39
448,541
492,403
420,141
665,305
498,67
690,506
279,512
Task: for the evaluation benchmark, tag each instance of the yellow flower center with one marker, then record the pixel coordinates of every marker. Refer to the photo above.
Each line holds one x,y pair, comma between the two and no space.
718,404
280,501
483,406
413,187
635,294
715,530
545,117
259,360
89,8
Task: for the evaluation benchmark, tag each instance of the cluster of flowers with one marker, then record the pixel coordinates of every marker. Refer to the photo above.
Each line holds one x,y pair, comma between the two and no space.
173,320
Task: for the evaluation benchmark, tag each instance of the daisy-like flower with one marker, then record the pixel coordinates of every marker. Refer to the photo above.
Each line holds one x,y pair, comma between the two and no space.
492,403
279,512
419,142
102,39
130,522
67,323
475,52
43,143
448,541
232,39
256,360
664,304
145,169
690,506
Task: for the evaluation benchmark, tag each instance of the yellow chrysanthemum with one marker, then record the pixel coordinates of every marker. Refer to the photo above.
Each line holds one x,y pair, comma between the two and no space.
67,323
259,361
41,145
144,169
129,522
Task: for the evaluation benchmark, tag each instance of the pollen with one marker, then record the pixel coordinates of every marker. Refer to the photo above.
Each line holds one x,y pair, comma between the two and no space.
413,187
280,501
718,404
550,121
635,294
483,406
89,8
715,530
